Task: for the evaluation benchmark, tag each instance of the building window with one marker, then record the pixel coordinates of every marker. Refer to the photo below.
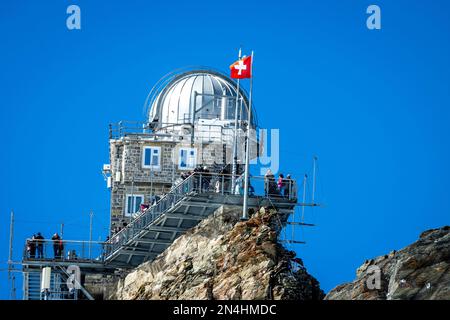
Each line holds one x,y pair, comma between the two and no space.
151,158
187,158
133,204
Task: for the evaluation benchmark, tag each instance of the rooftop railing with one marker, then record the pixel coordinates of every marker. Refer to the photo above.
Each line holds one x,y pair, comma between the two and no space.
124,128
139,128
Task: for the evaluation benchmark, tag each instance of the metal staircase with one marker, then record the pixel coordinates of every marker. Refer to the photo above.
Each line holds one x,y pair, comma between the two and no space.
194,199
32,286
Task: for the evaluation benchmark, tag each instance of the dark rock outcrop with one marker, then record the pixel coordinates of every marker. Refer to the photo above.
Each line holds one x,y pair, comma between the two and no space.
419,271
224,258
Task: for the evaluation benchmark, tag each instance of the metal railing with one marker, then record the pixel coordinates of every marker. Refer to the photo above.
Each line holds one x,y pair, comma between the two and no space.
151,214
63,250
133,128
197,183
123,128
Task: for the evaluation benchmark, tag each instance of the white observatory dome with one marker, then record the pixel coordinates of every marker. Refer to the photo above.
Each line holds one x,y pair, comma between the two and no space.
195,96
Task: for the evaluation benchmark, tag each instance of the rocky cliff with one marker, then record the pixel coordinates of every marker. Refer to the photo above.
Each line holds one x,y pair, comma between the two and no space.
419,271
224,258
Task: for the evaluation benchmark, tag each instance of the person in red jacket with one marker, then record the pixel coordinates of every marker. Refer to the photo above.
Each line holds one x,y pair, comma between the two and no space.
281,184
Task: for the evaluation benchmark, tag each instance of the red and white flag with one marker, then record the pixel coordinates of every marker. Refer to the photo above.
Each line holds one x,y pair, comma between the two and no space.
242,68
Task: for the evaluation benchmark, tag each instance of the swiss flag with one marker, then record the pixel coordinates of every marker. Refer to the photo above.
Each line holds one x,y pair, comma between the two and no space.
242,68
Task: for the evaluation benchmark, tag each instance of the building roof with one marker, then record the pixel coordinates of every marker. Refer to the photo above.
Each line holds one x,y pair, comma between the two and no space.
184,97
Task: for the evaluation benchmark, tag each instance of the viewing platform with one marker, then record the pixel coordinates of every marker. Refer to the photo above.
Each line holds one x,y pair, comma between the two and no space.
189,202
88,255
151,231
61,256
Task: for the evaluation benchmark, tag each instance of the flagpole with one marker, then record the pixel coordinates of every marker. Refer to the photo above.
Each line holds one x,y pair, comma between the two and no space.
233,170
247,147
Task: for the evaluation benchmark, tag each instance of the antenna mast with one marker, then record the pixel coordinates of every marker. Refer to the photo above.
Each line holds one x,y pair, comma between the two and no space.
11,277
91,214
314,180
304,198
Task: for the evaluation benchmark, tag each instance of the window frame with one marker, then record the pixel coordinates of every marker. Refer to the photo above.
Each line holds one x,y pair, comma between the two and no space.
128,195
151,166
188,149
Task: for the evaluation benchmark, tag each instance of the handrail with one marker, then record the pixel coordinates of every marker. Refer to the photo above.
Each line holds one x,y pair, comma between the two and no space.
66,241
63,250
149,215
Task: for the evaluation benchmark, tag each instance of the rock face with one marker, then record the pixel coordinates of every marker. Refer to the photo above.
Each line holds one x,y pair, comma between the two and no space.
419,271
223,258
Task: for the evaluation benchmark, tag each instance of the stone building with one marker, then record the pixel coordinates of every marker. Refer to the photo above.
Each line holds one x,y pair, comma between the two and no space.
194,117
185,162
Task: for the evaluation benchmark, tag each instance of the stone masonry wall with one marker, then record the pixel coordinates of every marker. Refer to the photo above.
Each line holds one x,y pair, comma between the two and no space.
126,158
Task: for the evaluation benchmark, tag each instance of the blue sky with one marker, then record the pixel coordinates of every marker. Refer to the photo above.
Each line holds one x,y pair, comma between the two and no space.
373,105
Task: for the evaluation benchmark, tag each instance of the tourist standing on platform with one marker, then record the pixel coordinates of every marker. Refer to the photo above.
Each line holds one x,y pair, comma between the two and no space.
31,247
56,246
39,245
